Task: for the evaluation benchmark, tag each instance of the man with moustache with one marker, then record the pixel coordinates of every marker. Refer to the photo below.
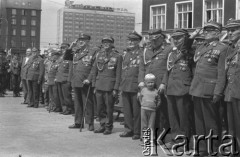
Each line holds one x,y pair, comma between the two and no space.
35,72
129,87
80,76
24,75
106,80
208,84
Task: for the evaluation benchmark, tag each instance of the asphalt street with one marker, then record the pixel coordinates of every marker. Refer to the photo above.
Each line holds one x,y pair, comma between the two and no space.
31,132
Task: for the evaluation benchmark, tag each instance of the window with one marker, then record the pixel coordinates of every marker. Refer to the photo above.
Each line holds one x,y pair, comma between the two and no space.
33,22
33,44
33,13
13,43
158,17
14,32
237,9
23,32
14,21
213,10
24,12
23,22
183,17
33,33
14,11
23,44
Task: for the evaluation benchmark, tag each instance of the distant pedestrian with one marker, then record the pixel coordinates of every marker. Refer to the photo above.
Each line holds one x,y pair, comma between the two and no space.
15,69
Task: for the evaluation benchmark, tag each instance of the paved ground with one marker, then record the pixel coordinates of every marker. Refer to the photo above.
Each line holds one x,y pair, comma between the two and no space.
31,132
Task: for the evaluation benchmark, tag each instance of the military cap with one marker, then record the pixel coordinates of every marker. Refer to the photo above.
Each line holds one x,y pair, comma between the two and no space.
232,23
156,33
213,24
108,38
179,32
84,36
55,52
35,49
134,36
63,45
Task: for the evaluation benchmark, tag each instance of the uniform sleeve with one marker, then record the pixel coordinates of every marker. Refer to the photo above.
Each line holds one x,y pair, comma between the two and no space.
118,72
221,78
142,70
41,71
94,72
70,73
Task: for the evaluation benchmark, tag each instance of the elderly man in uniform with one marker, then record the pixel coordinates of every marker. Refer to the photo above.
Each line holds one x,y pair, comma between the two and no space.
208,84
24,75
15,68
80,76
3,65
232,91
154,60
35,72
129,87
63,85
106,80
177,81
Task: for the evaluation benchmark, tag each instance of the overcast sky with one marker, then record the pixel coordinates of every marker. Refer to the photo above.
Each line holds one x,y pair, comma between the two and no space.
50,7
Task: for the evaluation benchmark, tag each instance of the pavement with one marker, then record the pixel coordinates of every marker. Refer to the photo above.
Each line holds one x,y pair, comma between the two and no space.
33,132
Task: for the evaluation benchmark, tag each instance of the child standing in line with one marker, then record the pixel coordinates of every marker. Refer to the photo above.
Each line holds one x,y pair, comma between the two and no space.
149,100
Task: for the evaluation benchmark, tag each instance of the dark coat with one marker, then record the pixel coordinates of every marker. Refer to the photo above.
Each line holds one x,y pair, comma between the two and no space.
35,69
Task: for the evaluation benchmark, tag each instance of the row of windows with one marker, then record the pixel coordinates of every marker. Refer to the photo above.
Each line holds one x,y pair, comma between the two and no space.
23,43
23,32
23,22
213,10
24,12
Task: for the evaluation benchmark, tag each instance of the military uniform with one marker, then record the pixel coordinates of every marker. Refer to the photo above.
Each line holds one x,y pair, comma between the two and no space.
129,88
3,66
45,89
15,68
178,80
24,78
80,71
207,86
52,87
63,83
106,79
35,72
155,61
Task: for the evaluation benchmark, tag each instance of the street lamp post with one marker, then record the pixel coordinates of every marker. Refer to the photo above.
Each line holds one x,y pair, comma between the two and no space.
6,31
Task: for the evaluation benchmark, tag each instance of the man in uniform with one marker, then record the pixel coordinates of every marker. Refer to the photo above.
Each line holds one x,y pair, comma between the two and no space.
15,68
232,91
177,81
63,85
208,84
106,80
129,87
35,72
80,76
24,75
47,62
154,60
3,66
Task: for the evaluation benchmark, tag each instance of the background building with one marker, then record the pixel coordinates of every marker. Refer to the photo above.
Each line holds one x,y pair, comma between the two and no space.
96,21
188,14
20,25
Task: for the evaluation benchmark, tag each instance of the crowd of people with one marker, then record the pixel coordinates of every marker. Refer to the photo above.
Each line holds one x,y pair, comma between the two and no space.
190,85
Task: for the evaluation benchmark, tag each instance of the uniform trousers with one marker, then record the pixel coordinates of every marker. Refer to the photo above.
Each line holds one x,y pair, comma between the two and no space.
178,112
46,94
54,99
233,112
15,83
33,92
65,95
80,95
132,112
25,90
206,119
105,104
1,83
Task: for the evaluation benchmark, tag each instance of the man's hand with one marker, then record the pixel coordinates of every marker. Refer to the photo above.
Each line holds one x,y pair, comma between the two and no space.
195,33
73,44
162,88
86,82
115,93
94,91
216,98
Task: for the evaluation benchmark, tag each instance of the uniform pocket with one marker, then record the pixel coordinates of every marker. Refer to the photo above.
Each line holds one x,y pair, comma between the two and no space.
209,87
